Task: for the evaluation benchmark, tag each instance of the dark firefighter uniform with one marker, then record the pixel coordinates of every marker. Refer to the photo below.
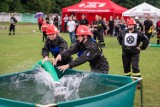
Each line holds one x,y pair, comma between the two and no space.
101,27
13,21
56,46
130,53
88,51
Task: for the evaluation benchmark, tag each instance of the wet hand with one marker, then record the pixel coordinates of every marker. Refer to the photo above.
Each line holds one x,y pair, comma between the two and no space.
45,59
58,58
63,68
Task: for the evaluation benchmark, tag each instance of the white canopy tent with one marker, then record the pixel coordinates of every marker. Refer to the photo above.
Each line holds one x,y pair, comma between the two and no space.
142,11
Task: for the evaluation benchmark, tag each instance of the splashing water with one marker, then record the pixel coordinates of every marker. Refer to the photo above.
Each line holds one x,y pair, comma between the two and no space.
39,87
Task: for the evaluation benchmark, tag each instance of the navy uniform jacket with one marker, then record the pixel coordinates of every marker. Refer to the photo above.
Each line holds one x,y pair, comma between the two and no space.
56,47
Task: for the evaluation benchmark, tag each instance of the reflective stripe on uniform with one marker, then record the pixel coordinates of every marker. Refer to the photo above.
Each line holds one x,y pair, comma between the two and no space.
136,74
129,73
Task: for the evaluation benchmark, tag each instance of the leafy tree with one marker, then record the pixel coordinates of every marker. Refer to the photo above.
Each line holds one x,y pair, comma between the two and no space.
55,6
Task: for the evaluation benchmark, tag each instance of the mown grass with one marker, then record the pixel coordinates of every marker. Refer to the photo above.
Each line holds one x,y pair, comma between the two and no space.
22,51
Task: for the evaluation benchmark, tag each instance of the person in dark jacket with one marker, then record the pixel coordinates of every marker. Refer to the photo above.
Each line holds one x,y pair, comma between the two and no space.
13,22
130,40
84,21
139,25
87,50
101,27
55,44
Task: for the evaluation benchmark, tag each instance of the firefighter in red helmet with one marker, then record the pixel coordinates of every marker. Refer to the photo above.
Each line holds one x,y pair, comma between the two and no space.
54,44
130,40
86,50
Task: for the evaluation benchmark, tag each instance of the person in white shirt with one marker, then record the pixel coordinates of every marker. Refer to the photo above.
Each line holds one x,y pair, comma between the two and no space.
71,25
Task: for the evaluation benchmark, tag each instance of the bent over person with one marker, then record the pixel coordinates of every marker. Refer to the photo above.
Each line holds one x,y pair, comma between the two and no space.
130,40
55,44
86,50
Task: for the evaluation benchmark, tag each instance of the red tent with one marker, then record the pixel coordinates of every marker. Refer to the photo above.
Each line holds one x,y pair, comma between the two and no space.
105,8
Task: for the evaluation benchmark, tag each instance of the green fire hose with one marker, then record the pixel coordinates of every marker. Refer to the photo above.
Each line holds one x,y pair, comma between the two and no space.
49,68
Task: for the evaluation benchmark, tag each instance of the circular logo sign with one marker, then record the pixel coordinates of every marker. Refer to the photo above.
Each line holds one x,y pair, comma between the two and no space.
130,39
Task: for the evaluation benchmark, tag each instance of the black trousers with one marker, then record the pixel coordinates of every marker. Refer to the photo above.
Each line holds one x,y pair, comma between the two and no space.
101,39
44,36
128,60
158,40
12,28
39,25
65,26
96,35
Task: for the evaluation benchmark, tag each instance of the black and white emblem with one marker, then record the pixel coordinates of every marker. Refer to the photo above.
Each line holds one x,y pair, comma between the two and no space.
130,39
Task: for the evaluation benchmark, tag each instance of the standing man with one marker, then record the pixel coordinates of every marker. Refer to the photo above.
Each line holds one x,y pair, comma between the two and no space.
95,30
130,40
101,27
83,21
55,44
87,50
71,26
13,22
117,26
148,26
139,25
76,21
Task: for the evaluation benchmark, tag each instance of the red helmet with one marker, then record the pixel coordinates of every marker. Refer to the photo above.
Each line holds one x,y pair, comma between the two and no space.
83,30
131,21
52,30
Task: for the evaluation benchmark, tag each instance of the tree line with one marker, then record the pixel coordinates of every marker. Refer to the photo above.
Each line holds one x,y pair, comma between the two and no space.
55,6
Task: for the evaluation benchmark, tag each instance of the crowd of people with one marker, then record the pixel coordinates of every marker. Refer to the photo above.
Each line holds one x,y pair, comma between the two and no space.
99,27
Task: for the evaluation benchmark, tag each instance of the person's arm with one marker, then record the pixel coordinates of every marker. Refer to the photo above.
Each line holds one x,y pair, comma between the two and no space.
45,52
145,41
120,38
72,50
91,52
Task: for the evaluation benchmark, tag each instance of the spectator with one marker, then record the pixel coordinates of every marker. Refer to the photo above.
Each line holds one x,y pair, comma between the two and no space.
148,26
13,22
111,26
71,26
40,22
65,19
83,21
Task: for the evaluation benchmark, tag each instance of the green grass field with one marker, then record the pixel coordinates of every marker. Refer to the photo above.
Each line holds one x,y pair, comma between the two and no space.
22,51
